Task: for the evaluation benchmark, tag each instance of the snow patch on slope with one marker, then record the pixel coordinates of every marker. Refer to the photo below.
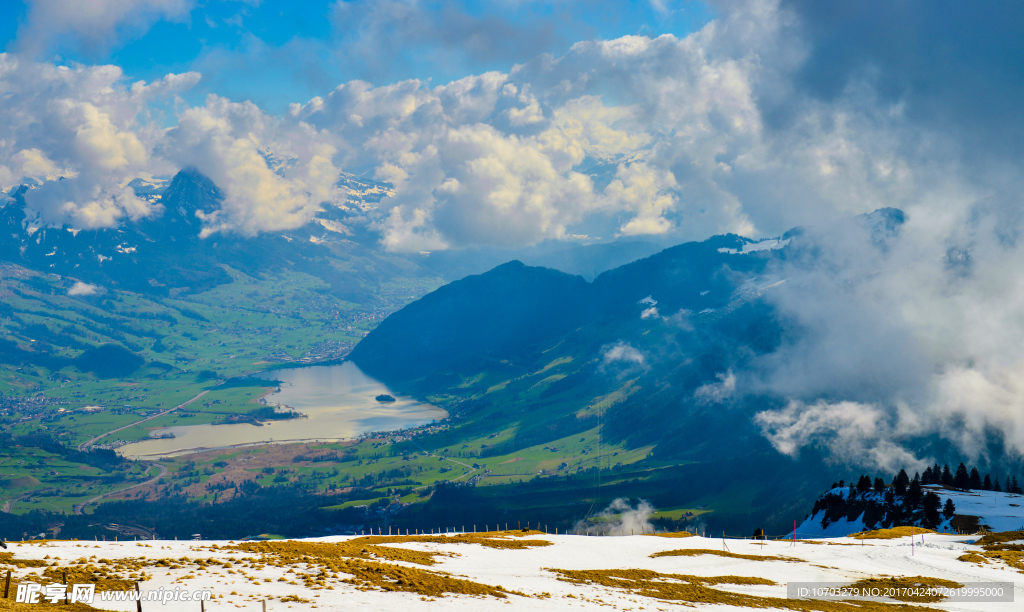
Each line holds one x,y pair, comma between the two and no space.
761,245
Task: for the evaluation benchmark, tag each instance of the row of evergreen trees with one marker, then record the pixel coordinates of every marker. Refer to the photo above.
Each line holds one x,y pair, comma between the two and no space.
903,503
962,479
965,480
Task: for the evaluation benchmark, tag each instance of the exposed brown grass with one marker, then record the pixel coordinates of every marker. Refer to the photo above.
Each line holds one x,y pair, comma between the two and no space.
42,606
7,558
697,589
972,558
891,534
696,552
966,523
389,577
376,547
892,582
997,549
998,541
88,574
674,534
1012,558
362,558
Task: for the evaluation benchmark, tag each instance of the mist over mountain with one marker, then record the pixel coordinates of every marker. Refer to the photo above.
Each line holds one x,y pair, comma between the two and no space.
728,340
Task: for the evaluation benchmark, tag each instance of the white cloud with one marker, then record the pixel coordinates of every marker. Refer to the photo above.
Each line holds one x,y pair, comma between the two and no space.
719,391
227,141
622,354
639,135
96,25
649,313
83,124
80,288
854,433
922,334
645,191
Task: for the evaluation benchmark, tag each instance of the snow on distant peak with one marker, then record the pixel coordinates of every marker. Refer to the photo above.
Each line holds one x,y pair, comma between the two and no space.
149,188
278,165
761,245
362,195
333,226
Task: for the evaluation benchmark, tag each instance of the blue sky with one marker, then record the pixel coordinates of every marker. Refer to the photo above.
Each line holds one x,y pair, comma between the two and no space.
275,52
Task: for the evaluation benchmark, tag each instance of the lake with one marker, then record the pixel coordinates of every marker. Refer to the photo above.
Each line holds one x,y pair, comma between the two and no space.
339,401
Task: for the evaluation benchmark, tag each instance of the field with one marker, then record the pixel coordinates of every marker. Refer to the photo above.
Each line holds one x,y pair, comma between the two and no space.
533,570
188,345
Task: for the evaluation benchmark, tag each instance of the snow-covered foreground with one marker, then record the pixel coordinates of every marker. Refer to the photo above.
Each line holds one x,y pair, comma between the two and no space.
253,576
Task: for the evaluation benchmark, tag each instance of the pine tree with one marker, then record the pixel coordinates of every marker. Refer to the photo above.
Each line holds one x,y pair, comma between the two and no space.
926,478
995,486
936,474
879,485
975,482
1016,487
947,476
900,482
986,485
932,504
864,484
949,509
914,493
961,481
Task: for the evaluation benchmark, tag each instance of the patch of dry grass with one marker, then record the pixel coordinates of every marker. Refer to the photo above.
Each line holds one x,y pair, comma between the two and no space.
7,558
997,549
697,589
390,577
998,541
1012,558
894,584
972,558
363,558
891,534
43,606
696,552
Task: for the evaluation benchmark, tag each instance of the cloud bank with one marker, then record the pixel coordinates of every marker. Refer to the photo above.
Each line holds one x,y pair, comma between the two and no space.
915,337
627,137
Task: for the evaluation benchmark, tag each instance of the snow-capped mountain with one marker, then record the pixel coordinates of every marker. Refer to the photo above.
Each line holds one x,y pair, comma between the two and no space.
164,253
